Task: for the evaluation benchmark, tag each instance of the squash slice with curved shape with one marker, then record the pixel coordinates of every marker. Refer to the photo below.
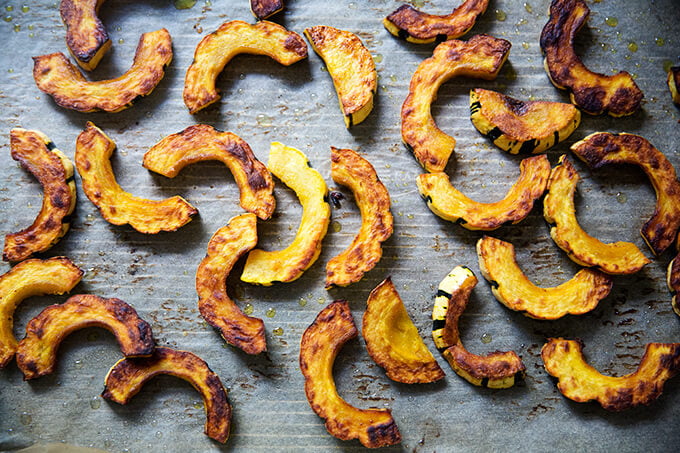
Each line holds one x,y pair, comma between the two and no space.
127,377
37,352
321,341
86,36
93,151
495,370
674,83
226,246
603,148
450,204
351,67
263,9
54,171
232,38
513,289
594,93
560,212
580,382
673,281
481,57
418,27
521,127
33,277
201,143
293,169
351,170
67,86
393,341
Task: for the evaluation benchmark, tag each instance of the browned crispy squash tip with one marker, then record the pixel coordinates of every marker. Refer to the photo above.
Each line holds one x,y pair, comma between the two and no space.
86,36
673,281
262,9
54,171
674,83
127,377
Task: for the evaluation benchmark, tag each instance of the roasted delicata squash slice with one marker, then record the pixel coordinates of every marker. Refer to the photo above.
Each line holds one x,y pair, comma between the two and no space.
418,27
86,36
263,9
580,382
294,170
56,76
495,370
127,377
37,352
560,212
351,170
673,281
226,246
513,289
54,171
200,143
351,67
29,278
603,148
594,93
450,204
674,83
481,57
393,341
521,126
232,38
93,151
321,341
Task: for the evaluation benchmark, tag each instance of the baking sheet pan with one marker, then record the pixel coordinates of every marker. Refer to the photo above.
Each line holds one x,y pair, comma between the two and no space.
264,102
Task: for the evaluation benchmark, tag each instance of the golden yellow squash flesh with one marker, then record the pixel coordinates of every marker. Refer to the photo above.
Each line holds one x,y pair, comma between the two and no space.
674,83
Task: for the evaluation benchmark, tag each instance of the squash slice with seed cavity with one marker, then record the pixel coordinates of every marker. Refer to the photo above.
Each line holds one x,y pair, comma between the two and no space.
86,36
674,83
418,27
93,151
450,204
580,382
560,212
321,341
263,9
226,246
232,38
37,352
67,86
603,148
200,143
54,171
521,127
594,93
673,280
513,289
351,67
481,57
393,341
29,278
293,169
351,170
495,370
127,377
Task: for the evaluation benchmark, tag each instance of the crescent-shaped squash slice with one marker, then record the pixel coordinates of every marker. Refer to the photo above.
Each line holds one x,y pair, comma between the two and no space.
495,370
594,93
513,289
263,9
200,143
603,148
481,57
393,341
351,170
29,278
293,169
560,212
127,377
93,151
232,38
226,246
450,204
56,76
321,341
521,127
418,27
580,382
37,352
673,281
86,36
351,67
54,171
674,83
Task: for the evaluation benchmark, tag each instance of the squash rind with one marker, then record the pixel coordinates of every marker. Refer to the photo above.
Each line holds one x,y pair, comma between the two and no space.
86,36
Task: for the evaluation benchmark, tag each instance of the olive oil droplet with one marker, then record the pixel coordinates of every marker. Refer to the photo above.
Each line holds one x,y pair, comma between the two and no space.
337,227
302,302
25,418
500,15
278,331
17,27
525,45
7,18
198,405
9,8
270,313
25,8
633,47
248,309
621,197
95,403
660,42
378,58
486,338
184,4
528,8
121,41
611,21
